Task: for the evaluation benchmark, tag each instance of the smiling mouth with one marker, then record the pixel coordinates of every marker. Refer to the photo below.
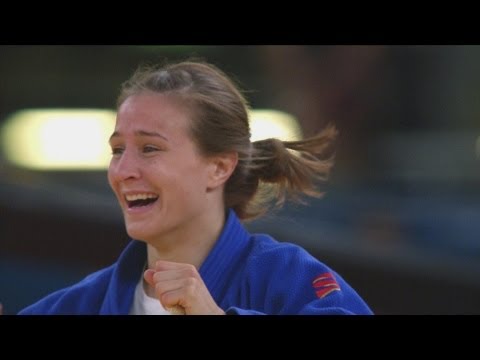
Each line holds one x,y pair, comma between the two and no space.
141,200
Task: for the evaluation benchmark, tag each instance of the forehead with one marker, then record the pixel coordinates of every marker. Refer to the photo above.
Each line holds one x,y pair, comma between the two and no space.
152,110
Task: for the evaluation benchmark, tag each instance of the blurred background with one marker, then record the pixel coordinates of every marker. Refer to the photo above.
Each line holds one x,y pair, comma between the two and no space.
400,220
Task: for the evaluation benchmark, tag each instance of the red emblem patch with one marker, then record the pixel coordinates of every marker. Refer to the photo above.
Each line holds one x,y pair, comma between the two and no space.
324,284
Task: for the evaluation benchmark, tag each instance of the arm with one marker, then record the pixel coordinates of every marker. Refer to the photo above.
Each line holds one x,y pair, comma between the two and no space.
285,280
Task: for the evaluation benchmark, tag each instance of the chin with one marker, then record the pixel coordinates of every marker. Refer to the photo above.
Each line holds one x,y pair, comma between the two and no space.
138,234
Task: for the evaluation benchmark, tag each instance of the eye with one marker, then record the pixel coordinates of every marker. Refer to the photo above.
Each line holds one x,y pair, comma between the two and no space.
150,148
117,150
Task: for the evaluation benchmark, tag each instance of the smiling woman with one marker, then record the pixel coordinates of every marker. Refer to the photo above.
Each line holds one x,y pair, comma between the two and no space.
161,180
186,174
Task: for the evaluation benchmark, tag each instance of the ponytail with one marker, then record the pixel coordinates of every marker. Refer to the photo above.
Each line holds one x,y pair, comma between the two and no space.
280,170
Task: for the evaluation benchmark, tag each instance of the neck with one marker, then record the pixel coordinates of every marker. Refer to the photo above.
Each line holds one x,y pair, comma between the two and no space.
189,245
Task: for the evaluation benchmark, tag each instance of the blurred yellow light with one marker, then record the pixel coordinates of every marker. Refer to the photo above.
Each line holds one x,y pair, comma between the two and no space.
58,139
266,124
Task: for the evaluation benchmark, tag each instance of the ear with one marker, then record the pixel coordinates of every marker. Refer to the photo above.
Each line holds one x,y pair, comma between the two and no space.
221,168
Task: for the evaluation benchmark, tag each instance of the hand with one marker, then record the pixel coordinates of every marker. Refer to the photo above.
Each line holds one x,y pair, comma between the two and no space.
181,285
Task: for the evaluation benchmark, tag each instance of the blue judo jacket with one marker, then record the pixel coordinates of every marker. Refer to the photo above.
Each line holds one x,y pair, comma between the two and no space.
245,274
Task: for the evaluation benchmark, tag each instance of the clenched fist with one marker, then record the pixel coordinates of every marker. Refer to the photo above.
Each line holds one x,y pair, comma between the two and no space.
180,285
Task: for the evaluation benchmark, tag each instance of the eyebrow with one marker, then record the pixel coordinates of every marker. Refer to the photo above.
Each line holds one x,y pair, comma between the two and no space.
140,133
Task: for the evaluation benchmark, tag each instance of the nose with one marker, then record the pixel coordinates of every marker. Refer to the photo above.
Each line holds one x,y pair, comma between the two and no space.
123,167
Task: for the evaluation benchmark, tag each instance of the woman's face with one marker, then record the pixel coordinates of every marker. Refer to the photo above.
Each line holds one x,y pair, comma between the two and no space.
156,171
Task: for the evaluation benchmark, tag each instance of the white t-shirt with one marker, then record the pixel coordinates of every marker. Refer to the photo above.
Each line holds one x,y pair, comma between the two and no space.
144,304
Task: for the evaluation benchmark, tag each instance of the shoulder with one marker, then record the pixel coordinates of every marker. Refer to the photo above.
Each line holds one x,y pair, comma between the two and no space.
297,281
266,250
84,297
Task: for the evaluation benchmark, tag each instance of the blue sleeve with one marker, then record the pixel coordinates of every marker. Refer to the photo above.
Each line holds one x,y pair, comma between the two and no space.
45,305
238,311
82,298
287,280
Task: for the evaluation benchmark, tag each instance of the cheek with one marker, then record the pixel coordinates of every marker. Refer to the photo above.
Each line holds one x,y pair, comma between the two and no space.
190,185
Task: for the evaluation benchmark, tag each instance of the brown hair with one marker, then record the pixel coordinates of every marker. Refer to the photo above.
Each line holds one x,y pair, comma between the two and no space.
220,124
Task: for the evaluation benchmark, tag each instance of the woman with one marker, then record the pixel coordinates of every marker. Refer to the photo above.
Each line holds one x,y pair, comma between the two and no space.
185,174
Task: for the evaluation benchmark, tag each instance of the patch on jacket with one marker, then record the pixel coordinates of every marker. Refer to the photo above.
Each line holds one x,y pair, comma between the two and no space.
325,284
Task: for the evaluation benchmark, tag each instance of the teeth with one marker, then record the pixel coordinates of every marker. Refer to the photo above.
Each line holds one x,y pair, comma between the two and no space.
144,196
